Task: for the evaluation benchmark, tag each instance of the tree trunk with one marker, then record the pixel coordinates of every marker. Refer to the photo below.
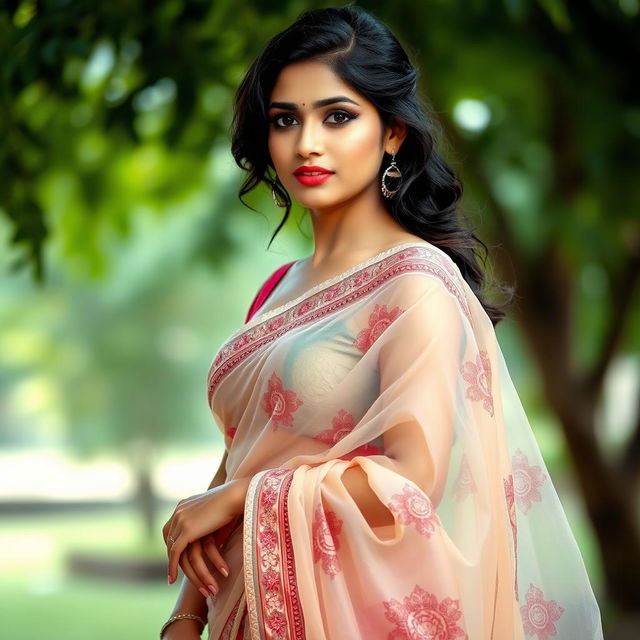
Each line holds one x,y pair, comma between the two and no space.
144,498
146,503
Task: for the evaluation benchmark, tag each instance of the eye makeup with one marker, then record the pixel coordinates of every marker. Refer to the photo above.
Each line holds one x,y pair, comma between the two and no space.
341,113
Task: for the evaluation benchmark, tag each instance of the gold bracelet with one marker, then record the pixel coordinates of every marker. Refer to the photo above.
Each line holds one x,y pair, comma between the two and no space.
182,616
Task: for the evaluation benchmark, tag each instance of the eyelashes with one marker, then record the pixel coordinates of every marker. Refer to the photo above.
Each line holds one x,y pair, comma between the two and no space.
344,118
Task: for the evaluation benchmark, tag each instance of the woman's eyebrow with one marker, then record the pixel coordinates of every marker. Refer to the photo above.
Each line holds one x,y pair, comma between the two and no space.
292,106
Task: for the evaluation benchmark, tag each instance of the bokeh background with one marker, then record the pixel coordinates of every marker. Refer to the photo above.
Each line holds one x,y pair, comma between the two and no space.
126,259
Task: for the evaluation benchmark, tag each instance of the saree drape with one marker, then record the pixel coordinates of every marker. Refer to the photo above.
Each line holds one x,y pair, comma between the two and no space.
480,547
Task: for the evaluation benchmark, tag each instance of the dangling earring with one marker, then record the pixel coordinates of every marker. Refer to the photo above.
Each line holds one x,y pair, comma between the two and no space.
278,203
391,171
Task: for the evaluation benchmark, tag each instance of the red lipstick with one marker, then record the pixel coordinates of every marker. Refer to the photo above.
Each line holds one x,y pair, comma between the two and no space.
312,175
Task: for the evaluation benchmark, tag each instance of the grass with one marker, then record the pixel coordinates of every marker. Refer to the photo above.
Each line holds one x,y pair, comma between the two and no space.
42,601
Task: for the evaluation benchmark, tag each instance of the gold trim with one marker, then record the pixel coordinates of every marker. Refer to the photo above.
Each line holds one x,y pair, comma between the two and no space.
249,557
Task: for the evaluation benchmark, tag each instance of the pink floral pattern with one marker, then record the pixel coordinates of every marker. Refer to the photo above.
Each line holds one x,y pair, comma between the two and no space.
379,319
304,307
527,481
539,615
465,484
271,540
511,506
275,324
331,293
326,527
478,375
414,507
341,425
280,403
422,617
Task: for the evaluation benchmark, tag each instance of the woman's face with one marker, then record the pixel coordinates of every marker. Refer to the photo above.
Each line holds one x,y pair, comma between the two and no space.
315,119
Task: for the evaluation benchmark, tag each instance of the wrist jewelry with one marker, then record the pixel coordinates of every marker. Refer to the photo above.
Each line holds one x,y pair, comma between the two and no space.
182,616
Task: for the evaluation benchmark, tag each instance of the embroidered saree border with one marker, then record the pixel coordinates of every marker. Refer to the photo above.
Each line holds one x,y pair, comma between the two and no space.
232,620
416,259
273,602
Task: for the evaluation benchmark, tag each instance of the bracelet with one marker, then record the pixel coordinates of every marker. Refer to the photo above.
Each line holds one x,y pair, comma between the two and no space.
182,616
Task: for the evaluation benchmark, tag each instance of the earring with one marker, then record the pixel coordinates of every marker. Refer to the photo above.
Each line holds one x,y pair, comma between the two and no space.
391,171
278,203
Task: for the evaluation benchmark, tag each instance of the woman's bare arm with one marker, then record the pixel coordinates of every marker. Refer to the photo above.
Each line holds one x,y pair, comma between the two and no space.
221,474
190,600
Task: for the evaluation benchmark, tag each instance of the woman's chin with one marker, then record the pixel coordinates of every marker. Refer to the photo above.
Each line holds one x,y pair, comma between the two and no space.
319,200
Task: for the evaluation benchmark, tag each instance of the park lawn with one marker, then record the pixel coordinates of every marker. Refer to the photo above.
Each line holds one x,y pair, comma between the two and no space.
40,600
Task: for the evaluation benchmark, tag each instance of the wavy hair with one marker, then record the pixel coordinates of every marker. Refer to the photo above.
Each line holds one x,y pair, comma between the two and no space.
364,53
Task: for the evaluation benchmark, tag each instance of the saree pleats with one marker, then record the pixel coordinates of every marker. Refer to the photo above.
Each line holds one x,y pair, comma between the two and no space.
392,367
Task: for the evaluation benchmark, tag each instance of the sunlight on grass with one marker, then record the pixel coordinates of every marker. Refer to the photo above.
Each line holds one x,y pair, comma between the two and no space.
41,600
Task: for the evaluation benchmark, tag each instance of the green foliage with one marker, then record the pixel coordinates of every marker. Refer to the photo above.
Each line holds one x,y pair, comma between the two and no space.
111,105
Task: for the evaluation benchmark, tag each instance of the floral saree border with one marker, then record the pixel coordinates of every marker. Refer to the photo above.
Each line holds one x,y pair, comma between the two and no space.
368,277
272,598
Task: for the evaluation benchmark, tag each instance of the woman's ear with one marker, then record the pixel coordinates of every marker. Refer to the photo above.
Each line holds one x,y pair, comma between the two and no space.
395,135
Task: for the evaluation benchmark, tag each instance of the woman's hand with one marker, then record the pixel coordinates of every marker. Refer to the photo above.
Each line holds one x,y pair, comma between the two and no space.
196,517
198,561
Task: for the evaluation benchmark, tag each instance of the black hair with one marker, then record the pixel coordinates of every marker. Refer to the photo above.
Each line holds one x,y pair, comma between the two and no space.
364,53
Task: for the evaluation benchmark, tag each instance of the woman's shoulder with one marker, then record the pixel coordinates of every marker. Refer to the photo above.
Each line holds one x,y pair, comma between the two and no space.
424,272
435,266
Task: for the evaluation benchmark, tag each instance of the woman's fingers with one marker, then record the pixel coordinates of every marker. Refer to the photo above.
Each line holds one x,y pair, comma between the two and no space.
212,552
198,563
192,576
177,544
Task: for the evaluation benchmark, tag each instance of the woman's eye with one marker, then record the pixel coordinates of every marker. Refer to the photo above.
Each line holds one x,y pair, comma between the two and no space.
285,120
276,119
342,116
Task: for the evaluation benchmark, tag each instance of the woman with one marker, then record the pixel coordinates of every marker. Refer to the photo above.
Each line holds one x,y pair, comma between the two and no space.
380,478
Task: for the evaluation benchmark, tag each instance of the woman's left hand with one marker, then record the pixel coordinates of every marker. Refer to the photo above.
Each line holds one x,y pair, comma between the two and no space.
199,515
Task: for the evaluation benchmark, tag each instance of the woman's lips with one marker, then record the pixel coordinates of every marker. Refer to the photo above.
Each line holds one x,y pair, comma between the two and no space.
312,179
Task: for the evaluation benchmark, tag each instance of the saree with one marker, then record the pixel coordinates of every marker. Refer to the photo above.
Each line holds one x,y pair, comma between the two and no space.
479,546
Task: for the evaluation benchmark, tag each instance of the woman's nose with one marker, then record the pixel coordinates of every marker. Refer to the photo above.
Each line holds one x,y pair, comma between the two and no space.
309,138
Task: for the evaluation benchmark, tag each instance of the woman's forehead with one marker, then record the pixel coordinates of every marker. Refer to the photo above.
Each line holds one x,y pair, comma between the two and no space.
307,82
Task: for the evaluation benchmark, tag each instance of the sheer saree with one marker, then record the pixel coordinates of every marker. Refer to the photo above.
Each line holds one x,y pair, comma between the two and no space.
480,547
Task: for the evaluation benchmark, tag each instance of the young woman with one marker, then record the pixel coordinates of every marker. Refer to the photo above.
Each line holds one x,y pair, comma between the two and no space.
380,478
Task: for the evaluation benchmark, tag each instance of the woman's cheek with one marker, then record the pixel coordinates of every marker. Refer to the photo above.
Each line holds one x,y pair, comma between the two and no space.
360,147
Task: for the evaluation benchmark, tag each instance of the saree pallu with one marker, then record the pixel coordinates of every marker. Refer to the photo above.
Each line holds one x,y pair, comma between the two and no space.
397,349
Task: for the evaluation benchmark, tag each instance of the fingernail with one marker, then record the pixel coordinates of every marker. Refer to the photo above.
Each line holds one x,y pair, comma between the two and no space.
168,579
224,572
213,590
203,591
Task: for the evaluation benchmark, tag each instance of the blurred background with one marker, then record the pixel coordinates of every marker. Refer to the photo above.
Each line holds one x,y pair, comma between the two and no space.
127,259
